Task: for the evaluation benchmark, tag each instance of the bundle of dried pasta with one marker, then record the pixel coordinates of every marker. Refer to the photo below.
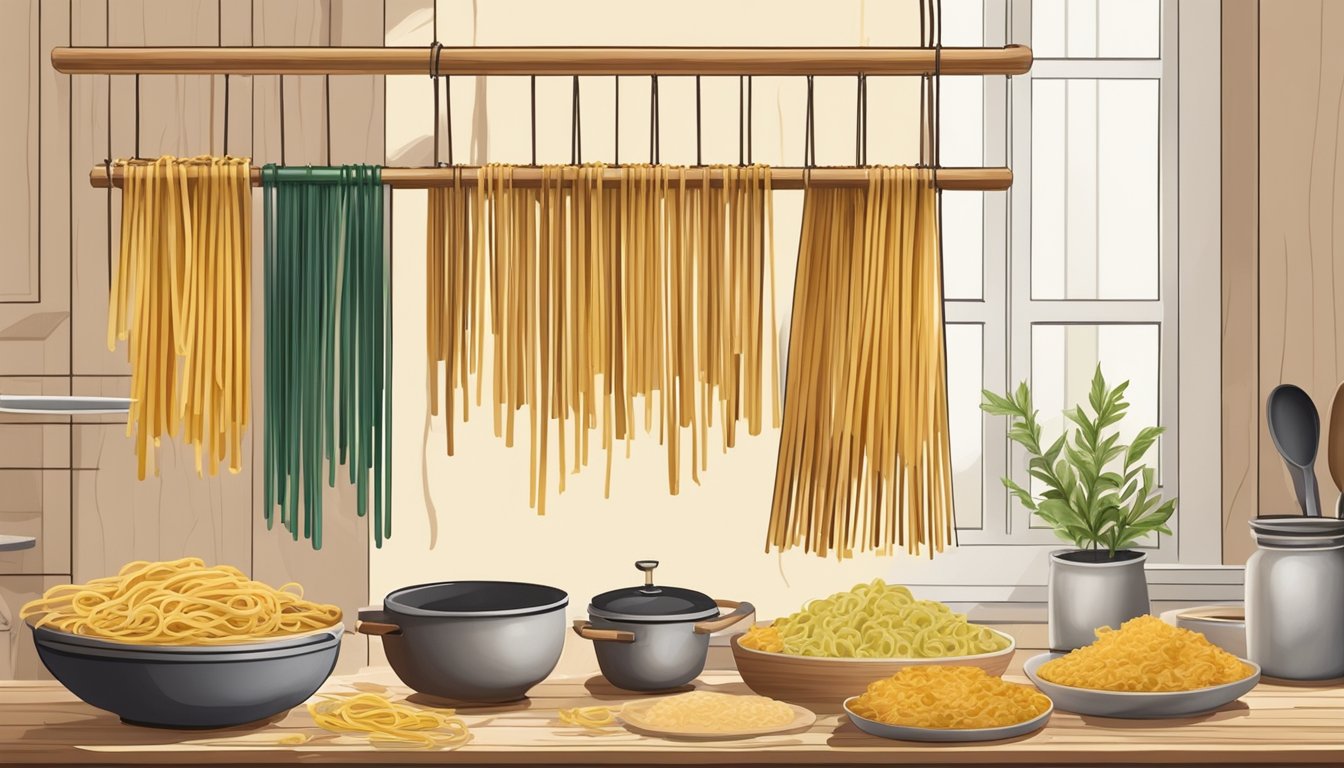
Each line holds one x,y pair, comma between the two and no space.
597,294
709,711
864,458
1146,654
388,722
948,697
181,294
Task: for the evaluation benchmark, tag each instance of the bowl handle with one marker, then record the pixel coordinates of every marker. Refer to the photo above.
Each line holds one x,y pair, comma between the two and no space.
375,621
739,612
588,632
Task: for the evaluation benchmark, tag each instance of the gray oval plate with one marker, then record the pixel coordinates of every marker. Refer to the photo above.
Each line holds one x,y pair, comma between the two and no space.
1137,704
911,733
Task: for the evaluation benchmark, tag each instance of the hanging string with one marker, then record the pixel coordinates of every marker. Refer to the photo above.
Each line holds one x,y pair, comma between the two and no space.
448,112
575,128
107,41
749,116
326,86
534,121
226,115
741,119
698,161
655,135
937,133
809,131
282,120
616,123
137,116
861,122
434,50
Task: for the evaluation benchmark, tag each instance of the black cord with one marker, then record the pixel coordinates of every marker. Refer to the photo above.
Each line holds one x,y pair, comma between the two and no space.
750,161
326,85
655,136
534,120
226,115
137,115
448,113
282,120
861,122
107,40
698,161
809,131
434,50
741,119
576,128
616,126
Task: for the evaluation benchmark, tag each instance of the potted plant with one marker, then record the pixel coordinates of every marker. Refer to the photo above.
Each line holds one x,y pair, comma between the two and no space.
1100,497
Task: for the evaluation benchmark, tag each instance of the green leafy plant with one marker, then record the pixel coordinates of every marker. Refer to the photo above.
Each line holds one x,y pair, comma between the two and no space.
1098,493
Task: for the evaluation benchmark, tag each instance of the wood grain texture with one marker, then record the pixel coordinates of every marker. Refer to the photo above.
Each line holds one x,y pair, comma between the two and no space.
1240,269
1301,272
18,656
1273,725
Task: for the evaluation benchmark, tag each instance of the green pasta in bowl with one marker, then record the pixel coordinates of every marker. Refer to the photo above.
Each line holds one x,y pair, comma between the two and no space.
836,645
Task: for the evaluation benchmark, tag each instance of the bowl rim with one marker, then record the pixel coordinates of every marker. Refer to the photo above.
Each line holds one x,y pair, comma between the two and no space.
1050,710
931,661
336,631
556,599
1030,666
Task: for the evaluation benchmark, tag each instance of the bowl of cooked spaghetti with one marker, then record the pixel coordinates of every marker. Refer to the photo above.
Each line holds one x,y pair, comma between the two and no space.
948,703
180,644
839,644
1145,669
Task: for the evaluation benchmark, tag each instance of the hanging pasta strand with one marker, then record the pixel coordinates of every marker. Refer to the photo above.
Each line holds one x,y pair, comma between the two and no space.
864,461
181,295
603,305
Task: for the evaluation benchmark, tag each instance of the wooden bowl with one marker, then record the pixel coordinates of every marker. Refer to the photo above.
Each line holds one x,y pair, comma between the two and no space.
818,680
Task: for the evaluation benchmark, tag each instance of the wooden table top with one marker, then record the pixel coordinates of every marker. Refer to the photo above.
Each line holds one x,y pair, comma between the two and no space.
41,723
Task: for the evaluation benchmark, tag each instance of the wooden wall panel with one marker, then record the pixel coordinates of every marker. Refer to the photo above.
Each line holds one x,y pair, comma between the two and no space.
354,118
1242,415
18,657
1301,272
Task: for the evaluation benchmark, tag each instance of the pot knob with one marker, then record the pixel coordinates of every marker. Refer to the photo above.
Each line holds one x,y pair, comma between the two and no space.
647,567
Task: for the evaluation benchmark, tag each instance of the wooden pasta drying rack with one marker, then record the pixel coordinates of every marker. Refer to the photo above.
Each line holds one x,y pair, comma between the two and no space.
566,61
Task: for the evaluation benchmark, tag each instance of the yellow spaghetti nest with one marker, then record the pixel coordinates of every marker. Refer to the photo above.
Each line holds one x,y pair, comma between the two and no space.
716,712
874,620
390,722
1146,654
593,718
179,602
948,697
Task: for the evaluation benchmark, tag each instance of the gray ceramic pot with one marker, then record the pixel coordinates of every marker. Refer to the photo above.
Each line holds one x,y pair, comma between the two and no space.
655,638
473,641
1088,591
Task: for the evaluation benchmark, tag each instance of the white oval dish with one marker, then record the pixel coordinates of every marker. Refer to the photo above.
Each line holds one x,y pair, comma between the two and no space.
946,735
1139,704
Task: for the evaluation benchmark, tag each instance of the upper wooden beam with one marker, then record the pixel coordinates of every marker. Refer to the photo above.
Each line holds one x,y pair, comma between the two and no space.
1009,60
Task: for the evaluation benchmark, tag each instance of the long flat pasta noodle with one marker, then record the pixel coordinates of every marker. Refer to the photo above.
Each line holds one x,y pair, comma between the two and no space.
181,295
595,297
179,602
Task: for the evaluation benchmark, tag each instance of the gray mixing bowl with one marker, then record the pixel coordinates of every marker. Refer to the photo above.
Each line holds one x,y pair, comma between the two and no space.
179,687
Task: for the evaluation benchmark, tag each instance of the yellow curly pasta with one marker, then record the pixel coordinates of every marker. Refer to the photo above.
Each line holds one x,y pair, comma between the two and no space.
709,711
179,602
593,718
948,697
390,722
1146,654
874,620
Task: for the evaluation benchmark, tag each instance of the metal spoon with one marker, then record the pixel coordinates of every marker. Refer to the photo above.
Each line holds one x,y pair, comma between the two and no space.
1334,439
1295,426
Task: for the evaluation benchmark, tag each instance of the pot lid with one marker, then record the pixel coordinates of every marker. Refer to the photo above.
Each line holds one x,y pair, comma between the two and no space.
652,603
1298,526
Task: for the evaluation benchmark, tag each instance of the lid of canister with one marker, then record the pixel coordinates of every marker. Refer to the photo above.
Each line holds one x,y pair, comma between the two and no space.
1298,532
653,603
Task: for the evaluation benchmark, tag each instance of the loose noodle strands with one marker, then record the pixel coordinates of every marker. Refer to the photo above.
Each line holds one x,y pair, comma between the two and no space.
181,295
864,461
593,718
949,697
874,620
179,602
328,347
1146,654
595,297
390,723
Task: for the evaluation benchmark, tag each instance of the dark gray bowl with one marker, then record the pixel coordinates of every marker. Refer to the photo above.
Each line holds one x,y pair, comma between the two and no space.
147,686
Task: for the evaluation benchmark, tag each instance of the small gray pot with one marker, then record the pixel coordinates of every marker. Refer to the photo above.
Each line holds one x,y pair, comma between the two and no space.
1087,593
655,638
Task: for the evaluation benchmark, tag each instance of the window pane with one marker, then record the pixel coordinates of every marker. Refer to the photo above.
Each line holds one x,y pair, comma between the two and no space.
1085,29
965,374
964,22
1094,189
963,245
1064,358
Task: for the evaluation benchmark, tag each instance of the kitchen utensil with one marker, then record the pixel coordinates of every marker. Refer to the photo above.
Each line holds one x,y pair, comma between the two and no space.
473,641
632,715
1295,597
1334,453
177,687
1295,426
1222,625
911,733
817,680
655,638
63,404
1138,704
10,543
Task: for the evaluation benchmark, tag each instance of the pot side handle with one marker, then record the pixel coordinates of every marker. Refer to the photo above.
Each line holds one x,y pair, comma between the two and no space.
375,621
739,611
588,632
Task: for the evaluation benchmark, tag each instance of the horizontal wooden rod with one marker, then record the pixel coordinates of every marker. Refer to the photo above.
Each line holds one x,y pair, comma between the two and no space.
958,179
1009,60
